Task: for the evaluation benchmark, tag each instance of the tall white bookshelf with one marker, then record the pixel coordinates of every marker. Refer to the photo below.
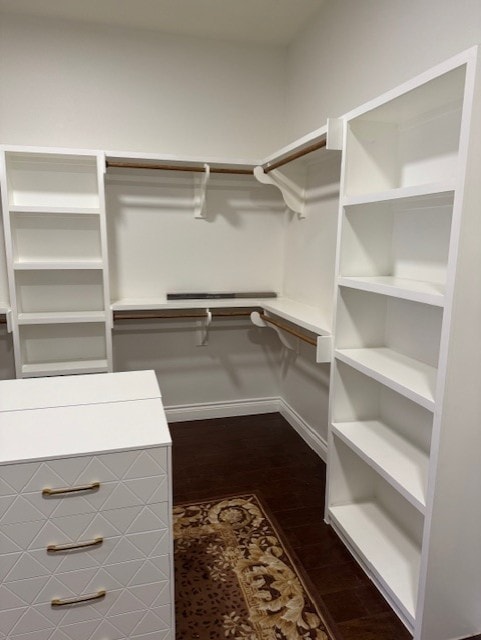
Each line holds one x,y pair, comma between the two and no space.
405,414
55,236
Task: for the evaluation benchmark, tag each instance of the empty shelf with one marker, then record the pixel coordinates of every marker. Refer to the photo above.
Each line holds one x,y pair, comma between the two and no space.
411,378
398,461
415,290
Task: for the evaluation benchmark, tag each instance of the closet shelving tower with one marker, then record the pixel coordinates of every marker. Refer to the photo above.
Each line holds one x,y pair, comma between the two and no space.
54,224
405,416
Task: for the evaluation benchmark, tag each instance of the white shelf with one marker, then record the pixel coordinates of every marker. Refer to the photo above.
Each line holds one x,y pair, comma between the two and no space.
400,193
60,210
57,264
411,378
61,317
64,368
387,551
137,304
298,313
415,290
398,461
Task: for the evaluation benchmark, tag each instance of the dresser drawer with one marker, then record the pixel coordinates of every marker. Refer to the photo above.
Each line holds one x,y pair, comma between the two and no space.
110,537
93,630
110,481
128,610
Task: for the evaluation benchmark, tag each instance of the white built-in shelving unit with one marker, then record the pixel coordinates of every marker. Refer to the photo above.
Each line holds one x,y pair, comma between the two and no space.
395,452
55,235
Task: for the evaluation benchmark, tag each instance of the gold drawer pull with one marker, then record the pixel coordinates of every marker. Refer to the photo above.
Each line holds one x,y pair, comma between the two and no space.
57,602
56,492
75,545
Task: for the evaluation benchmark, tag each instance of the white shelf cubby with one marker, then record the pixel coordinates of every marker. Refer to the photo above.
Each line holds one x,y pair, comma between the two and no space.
56,251
398,247
383,530
410,140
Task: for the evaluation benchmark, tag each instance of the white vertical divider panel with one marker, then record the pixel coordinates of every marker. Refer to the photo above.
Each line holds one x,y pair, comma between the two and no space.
9,258
109,323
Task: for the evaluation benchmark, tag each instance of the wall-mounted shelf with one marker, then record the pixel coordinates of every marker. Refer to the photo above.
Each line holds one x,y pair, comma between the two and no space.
300,314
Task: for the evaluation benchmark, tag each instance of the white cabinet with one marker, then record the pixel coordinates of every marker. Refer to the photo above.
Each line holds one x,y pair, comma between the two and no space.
85,509
54,224
404,423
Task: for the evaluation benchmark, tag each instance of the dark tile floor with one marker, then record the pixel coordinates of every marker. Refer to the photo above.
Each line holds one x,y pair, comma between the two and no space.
264,454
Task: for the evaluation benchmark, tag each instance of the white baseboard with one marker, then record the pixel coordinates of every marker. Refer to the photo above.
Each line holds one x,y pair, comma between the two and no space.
307,433
207,410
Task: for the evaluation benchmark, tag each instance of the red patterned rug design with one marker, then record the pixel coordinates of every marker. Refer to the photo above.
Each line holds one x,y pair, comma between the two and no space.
235,579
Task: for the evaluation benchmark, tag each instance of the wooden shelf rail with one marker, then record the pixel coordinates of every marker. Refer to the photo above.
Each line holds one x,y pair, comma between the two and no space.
176,167
320,144
179,314
288,329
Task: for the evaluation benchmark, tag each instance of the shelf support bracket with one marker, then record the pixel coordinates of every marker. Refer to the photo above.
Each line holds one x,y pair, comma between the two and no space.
200,186
292,187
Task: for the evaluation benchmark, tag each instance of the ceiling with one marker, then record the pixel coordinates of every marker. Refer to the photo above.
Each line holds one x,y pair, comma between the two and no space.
275,22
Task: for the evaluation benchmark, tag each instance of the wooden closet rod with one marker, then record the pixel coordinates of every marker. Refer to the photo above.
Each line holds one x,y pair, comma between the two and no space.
174,167
288,329
175,314
294,156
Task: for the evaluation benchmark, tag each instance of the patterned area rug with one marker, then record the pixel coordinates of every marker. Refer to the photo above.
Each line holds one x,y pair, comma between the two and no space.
234,577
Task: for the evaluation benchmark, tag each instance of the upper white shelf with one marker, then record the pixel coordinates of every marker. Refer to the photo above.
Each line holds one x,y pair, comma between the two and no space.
51,179
426,292
411,378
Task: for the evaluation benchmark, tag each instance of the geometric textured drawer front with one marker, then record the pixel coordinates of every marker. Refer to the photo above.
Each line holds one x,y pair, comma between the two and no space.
128,478
136,619
133,533
132,590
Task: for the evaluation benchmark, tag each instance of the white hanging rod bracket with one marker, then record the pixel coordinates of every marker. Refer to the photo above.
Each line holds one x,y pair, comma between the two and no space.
8,318
292,192
203,329
200,187
291,342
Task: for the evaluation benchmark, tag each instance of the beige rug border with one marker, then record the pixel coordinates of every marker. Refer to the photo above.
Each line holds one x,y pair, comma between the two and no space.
289,551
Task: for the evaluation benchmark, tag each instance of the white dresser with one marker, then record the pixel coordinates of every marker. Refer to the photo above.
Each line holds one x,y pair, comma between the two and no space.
85,509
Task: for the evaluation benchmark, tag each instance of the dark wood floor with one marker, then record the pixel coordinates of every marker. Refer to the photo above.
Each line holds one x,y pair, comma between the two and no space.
264,454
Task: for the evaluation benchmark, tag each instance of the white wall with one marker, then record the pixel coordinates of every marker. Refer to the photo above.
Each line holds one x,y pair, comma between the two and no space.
357,49
77,85
240,363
